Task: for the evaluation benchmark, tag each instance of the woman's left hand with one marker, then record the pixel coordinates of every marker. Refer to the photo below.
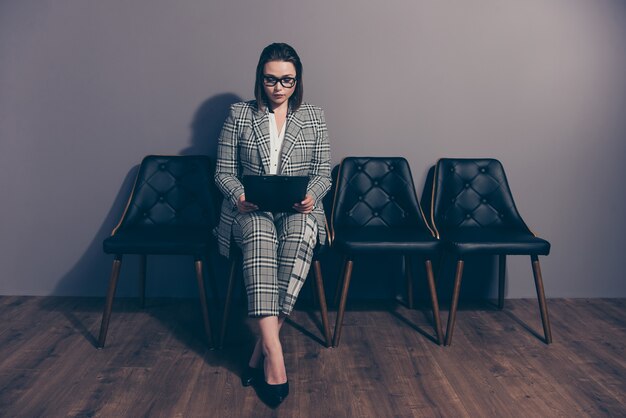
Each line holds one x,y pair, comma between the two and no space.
306,206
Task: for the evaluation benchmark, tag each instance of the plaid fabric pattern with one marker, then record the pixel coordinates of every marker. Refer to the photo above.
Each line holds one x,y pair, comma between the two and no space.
277,252
243,149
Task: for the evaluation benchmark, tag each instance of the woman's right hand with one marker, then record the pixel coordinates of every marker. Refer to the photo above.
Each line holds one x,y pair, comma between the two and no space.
245,207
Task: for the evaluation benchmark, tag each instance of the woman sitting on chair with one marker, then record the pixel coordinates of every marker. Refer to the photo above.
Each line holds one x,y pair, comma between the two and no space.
275,134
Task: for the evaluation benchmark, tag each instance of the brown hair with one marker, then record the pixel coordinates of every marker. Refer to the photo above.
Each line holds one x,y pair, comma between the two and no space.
278,52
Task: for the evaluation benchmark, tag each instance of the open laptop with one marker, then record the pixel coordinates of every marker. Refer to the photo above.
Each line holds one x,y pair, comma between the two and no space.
273,193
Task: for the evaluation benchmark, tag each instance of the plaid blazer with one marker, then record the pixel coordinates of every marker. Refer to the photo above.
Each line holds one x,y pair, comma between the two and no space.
243,149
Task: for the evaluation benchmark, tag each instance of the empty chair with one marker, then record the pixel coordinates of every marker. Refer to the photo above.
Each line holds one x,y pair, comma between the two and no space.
473,212
376,211
171,210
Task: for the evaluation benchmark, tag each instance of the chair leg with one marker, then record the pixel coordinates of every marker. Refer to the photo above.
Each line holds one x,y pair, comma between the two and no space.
434,301
340,282
229,295
501,279
203,301
409,280
321,297
455,300
543,307
142,280
213,283
342,304
108,306
313,286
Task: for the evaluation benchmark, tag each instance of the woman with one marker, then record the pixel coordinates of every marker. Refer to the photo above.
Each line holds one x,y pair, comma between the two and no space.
275,134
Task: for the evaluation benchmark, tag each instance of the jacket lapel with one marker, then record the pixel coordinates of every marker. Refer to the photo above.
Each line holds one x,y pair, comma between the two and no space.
261,128
294,125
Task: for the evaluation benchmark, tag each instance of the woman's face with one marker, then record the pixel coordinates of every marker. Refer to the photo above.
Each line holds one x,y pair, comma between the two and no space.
283,75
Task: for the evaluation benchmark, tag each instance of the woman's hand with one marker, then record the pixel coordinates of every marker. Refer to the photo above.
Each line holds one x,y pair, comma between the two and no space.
244,207
306,206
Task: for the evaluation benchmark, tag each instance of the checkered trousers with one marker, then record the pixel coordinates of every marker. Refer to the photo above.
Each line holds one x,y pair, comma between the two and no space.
277,252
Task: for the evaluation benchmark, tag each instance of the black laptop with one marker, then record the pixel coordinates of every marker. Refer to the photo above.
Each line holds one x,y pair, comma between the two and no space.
275,193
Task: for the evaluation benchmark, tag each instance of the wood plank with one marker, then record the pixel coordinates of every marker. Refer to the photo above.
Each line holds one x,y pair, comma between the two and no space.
156,362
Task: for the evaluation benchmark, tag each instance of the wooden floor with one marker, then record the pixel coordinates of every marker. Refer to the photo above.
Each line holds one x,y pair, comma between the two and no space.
156,364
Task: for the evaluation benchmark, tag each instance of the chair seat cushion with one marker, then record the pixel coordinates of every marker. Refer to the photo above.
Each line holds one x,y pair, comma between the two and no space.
384,239
494,241
160,240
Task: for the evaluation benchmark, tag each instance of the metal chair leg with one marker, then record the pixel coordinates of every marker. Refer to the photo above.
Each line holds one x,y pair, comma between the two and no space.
321,297
543,307
454,302
229,295
211,277
108,306
409,280
434,301
501,280
340,282
203,301
342,303
142,280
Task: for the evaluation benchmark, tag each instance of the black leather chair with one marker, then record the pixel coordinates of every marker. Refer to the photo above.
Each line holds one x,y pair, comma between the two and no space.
171,210
235,267
473,212
376,211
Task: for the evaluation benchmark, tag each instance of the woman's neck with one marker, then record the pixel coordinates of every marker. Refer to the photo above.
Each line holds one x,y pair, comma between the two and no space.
281,109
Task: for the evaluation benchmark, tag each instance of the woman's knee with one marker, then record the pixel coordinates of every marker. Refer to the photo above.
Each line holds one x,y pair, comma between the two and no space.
256,225
299,223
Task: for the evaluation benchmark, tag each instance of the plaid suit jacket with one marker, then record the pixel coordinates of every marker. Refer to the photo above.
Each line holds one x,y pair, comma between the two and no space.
243,149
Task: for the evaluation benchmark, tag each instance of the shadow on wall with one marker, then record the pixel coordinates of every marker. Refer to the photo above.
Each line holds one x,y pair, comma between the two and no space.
207,124
90,274
87,276
166,275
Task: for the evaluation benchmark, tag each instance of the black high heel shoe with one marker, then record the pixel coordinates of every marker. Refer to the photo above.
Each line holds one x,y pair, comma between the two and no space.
252,375
274,395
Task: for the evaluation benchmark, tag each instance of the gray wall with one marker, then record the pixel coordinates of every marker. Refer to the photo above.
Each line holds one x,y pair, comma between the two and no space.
87,88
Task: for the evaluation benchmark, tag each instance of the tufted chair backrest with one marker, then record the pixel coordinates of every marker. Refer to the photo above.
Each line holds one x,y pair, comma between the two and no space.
472,193
172,191
376,191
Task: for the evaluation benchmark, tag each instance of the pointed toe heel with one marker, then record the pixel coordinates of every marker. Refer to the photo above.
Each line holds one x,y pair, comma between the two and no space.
275,394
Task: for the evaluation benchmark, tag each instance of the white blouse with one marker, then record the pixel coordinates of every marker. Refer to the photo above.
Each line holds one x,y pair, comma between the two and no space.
276,144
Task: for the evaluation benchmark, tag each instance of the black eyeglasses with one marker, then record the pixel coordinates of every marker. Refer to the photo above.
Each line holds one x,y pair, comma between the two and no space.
287,82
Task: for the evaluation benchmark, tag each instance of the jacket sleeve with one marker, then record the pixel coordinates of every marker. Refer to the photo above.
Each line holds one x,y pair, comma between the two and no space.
227,167
319,172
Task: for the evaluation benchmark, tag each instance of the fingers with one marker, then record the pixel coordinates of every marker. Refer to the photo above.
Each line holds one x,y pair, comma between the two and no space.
306,206
244,206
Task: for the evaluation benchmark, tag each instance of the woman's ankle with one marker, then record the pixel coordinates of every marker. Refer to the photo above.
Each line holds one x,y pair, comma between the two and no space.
274,365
